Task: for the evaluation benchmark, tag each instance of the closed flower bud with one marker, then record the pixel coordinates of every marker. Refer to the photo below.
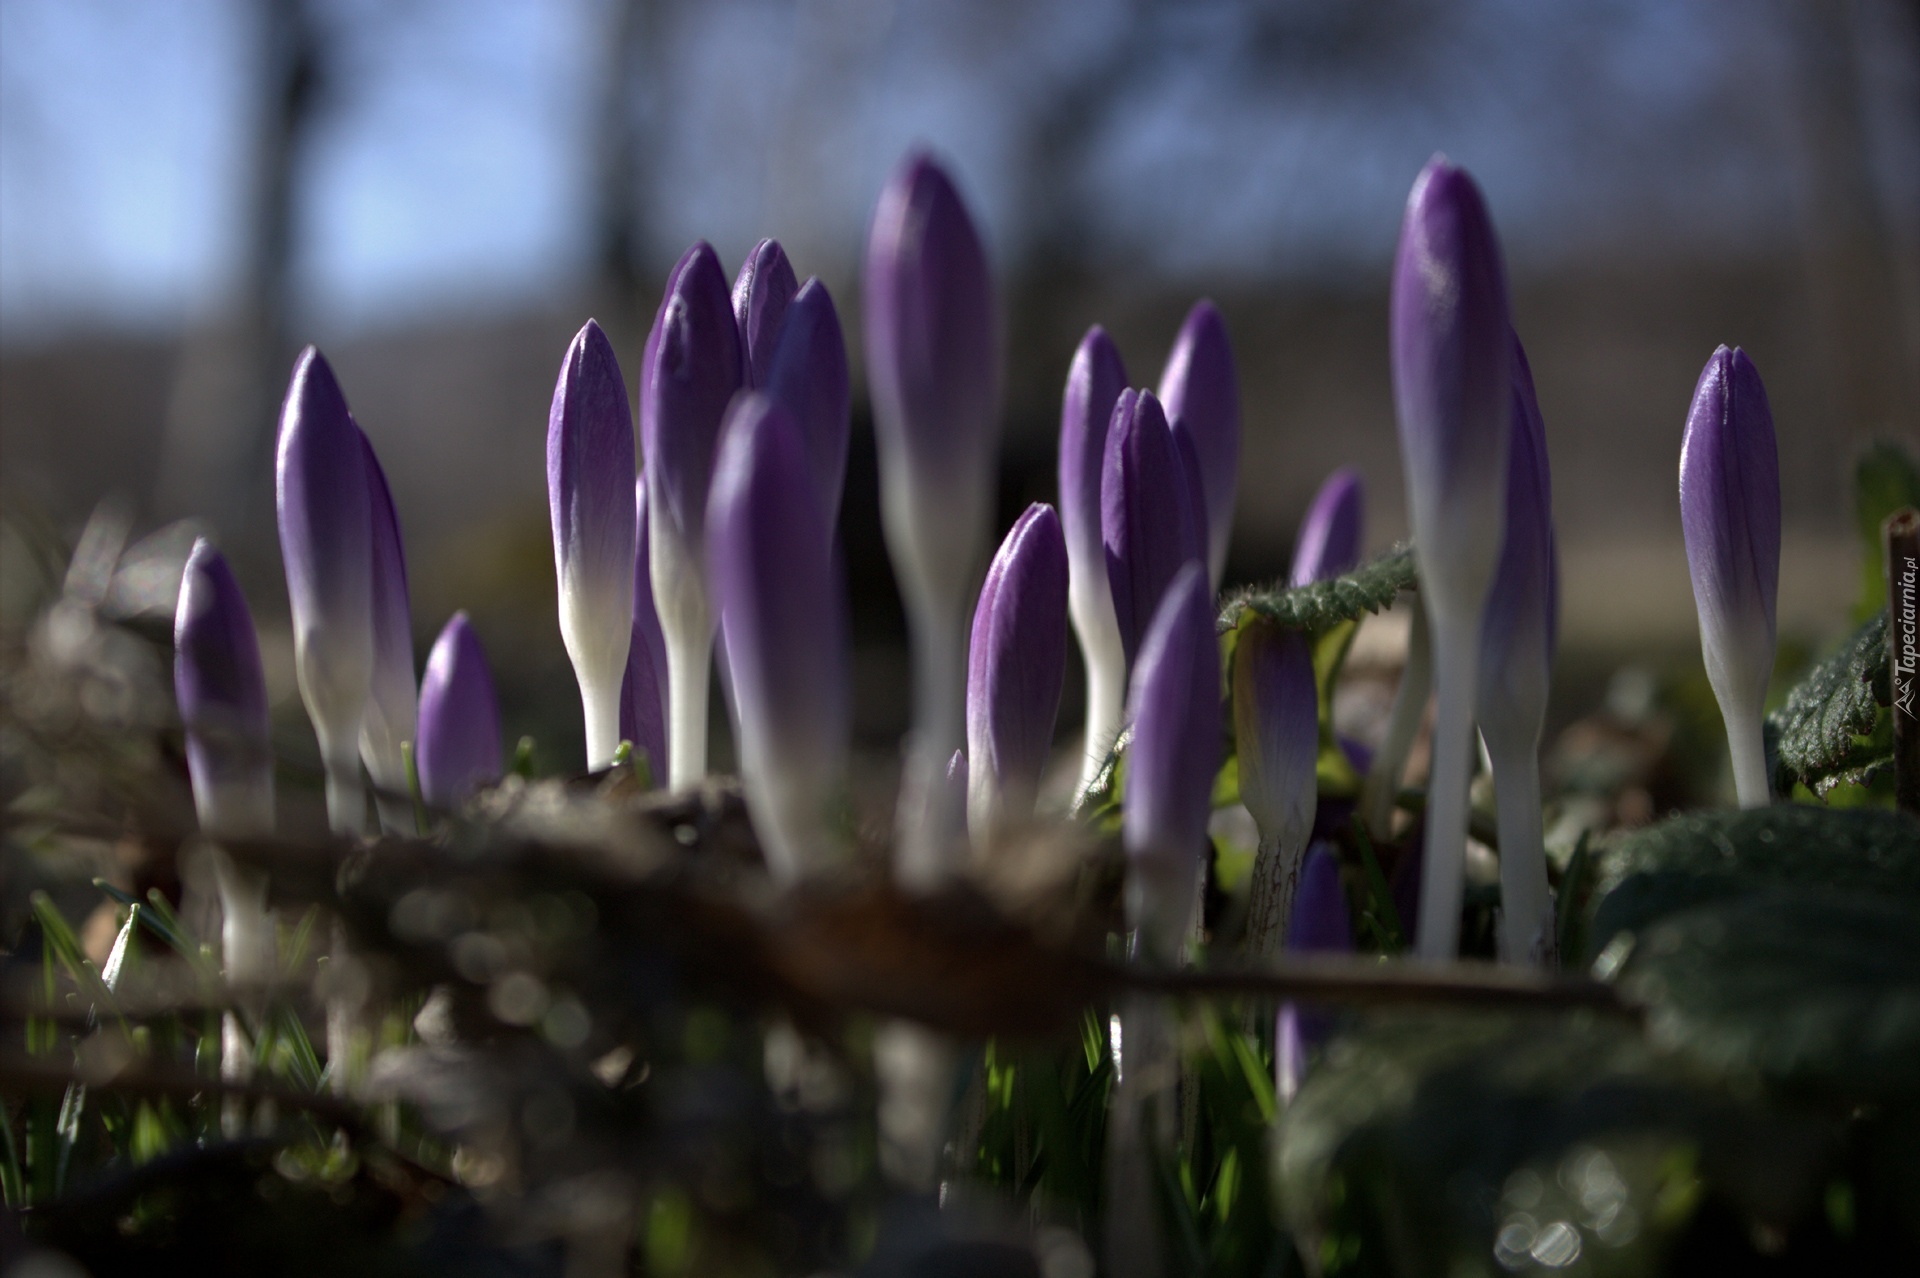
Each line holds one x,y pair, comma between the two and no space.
1201,394
1147,523
590,495
761,294
1094,383
1015,666
808,374
643,692
393,703
1276,720
459,749
218,681
1730,512
781,608
326,543
1333,532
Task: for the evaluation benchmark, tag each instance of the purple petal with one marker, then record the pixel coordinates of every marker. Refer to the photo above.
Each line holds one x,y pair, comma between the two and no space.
1018,657
1333,530
1174,700
1094,383
808,374
643,708
326,529
694,366
1201,393
1517,634
1321,921
1146,519
1730,506
761,294
392,705
646,617
217,677
459,719
1276,715
590,469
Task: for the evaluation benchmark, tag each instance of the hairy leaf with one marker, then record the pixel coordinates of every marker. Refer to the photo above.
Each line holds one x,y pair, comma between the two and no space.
1325,604
1825,730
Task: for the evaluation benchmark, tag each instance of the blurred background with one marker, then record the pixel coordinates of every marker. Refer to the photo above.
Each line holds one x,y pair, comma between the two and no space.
439,192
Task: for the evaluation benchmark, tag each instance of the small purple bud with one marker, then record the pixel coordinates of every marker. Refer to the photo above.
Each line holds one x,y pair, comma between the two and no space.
761,294
770,551
1015,665
459,719
643,717
1175,705
393,703
1730,512
590,495
1201,393
1146,518
1321,925
222,691
326,543
1276,720
1094,383
1333,531
808,374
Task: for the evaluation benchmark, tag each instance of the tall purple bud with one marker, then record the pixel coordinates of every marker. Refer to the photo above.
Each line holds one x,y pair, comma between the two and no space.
1516,666
694,364
1015,665
222,692
394,702
770,550
809,375
1333,532
1276,724
1201,394
1321,925
326,543
590,495
1147,524
643,692
934,368
1174,701
459,750
761,294
1094,383
1453,391
1730,511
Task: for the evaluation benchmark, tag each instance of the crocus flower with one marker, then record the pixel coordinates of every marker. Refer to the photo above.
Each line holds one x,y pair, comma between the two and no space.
1730,511
1015,664
1094,383
326,543
809,375
643,692
1453,391
459,748
1174,702
1321,925
1516,665
934,368
1276,722
761,294
694,364
1146,517
1333,531
389,721
589,478
1201,395
770,551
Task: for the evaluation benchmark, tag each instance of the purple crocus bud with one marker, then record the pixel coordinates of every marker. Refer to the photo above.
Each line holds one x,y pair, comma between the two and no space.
761,294
459,749
934,370
1730,511
590,494
1201,393
694,365
1453,391
1333,531
770,551
1146,517
1321,925
393,704
809,375
326,543
1015,665
1094,383
222,692
1276,724
1516,665
643,692
1174,701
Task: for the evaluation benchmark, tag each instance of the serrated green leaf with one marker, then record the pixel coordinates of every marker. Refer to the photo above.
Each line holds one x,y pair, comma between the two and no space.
1703,857
1884,480
1325,604
1825,730
1816,991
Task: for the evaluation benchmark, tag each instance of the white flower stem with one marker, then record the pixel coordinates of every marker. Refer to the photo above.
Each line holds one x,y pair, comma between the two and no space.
1382,784
1526,904
1747,744
929,822
346,793
1140,1130
689,639
1106,664
1276,881
1457,664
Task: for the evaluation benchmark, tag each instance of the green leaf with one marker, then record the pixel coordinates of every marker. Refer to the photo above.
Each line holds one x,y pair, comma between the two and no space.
1703,857
1826,729
1816,991
1884,480
1325,604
